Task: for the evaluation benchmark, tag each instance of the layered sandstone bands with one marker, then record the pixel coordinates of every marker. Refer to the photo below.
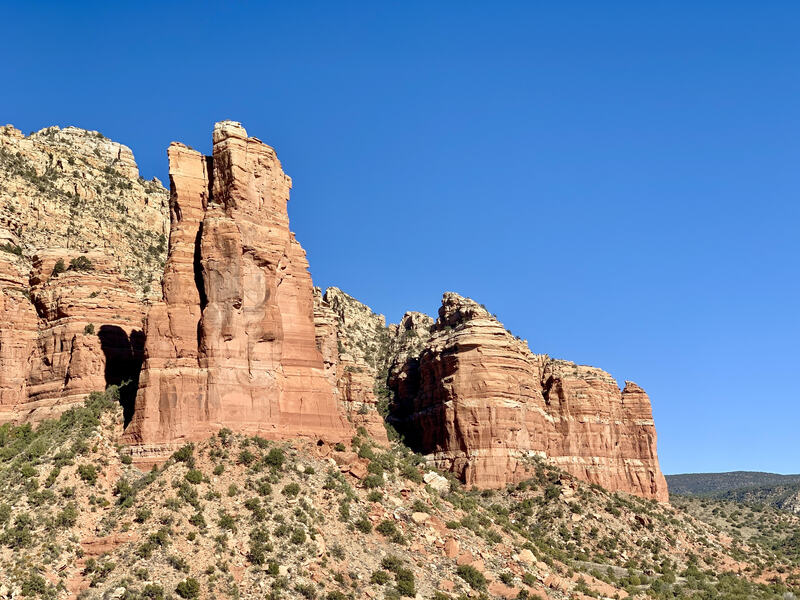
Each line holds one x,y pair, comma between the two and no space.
70,194
233,342
236,337
480,403
64,335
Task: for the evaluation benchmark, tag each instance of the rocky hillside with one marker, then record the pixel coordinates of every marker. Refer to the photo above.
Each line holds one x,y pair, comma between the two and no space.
77,190
244,517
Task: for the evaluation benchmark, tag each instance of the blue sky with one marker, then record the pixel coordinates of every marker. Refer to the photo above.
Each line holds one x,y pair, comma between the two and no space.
618,181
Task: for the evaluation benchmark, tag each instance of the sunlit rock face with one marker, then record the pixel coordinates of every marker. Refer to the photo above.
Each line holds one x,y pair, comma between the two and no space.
232,344
478,402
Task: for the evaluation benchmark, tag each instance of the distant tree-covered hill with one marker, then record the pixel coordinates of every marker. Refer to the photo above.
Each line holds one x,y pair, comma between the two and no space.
749,487
707,484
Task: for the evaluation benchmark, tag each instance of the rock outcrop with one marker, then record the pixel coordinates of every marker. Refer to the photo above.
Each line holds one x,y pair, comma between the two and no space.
358,348
82,237
76,189
232,343
354,344
66,334
478,402
235,336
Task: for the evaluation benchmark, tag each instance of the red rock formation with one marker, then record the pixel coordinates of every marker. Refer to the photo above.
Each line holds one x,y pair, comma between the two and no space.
76,332
18,326
482,405
232,344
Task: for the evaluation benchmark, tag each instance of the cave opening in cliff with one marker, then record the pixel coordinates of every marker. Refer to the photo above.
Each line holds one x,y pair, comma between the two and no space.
124,355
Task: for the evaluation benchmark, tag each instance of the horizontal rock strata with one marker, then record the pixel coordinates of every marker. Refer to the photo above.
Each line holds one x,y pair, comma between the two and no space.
481,404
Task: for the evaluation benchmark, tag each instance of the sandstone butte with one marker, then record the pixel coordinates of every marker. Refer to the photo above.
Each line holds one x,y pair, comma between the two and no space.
481,404
240,339
232,344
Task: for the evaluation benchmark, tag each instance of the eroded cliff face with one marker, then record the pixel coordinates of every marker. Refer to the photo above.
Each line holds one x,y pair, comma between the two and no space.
82,238
481,404
232,343
237,337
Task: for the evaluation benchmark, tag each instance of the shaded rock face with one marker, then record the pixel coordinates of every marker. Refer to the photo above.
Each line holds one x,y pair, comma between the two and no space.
478,402
358,348
232,343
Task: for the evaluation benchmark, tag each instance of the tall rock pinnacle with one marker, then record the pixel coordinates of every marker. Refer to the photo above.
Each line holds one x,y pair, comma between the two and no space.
232,343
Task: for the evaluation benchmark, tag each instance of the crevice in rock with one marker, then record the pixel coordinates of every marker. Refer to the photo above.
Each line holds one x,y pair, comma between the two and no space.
124,356
198,269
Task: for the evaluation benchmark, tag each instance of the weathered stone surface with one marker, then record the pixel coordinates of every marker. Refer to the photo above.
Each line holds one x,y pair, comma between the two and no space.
72,194
478,402
76,189
18,329
358,348
232,344
68,334
354,344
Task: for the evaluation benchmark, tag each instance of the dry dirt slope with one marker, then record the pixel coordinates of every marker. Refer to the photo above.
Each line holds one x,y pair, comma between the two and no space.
237,517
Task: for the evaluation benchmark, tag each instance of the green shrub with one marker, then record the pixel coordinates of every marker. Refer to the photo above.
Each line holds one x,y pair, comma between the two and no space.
387,528
188,588
89,329
59,267
198,520
379,577
184,454
11,249
153,591
35,585
306,590
124,490
372,481
405,582
67,517
391,563
194,476
226,521
363,525
246,457
298,536
142,514
81,263
472,576
19,535
88,473
275,458
291,490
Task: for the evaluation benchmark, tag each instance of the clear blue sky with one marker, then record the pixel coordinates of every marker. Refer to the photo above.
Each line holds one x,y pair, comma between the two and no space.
618,181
